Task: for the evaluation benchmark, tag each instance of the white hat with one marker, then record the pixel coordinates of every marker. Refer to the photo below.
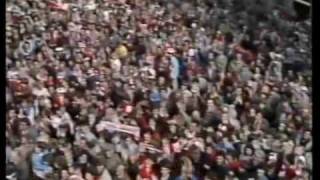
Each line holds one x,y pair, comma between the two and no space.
21,116
187,93
43,139
12,74
152,73
304,88
8,28
199,145
191,52
302,159
41,28
59,49
91,6
272,55
82,45
60,76
223,128
210,129
75,177
171,50
61,90
90,71
9,9
189,134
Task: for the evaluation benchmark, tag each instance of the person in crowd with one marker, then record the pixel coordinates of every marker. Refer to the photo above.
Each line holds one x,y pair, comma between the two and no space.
155,90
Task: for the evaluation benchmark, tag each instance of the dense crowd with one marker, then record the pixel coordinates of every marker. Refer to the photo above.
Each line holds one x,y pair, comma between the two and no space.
156,90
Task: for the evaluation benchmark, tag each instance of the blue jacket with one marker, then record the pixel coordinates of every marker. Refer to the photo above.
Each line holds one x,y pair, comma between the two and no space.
176,68
155,97
39,164
181,178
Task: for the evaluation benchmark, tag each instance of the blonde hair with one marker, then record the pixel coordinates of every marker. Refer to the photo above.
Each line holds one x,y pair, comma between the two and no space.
186,167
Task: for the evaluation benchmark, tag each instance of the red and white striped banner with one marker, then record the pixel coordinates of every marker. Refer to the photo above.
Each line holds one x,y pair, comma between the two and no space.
58,6
151,148
134,130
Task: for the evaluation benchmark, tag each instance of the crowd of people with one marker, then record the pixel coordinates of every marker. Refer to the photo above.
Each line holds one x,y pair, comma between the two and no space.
156,90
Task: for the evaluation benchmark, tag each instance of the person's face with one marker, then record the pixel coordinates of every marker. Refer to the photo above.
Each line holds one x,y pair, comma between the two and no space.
289,129
147,137
225,140
272,157
252,113
165,171
220,160
12,114
153,124
229,158
196,115
307,135
64,174
120,171
162,81
225,118
24,140
109,153
249,151
100,169
118,84
209,150
259,116
172,128
282,127
261,173
23,126
86,64
149,163
83,143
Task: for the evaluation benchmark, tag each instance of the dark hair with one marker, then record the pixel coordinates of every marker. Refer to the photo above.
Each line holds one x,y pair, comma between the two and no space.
248,147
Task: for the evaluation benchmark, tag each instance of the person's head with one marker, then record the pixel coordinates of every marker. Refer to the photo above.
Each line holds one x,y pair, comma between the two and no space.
261,172
121,171
23,125
220,160
307,135
225,118
162,81
64,174
290,128
196,115
239,57
147,136
110,152
186,167
230,157
252,112
165,171
282,127
273,157
153,124
172,128
210,176
248,151
148,163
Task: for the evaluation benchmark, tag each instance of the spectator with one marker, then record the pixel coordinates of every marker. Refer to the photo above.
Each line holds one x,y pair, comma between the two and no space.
156,90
